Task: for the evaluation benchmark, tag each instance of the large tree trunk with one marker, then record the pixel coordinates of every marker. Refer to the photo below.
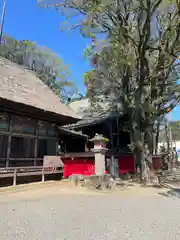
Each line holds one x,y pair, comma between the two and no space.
141,155
142,164
157,136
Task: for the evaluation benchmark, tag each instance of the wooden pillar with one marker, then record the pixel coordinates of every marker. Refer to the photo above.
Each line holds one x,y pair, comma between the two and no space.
65,147
9,141
111,135
86,147
117,132
43,175
36,142
58,137
14,177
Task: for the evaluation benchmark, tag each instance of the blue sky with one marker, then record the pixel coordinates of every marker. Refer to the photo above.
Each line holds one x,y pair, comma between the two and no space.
24,20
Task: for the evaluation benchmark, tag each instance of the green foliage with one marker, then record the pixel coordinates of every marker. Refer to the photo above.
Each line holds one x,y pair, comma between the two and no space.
44,62
175,130
136,70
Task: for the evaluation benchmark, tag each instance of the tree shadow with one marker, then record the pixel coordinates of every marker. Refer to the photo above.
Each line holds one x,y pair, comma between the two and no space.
154,185
172,192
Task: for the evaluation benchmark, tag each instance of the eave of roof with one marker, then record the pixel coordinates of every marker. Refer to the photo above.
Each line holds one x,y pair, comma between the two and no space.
19,85
91,121
72,133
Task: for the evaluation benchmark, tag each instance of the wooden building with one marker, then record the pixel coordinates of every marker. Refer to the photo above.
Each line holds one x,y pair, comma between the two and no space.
30,114
111,124
119,159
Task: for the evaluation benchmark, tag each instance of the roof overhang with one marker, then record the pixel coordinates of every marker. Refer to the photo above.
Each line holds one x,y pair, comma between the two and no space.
92,121
72,133
22,109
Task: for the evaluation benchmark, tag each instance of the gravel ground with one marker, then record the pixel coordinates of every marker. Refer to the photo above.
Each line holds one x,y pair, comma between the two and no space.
83,217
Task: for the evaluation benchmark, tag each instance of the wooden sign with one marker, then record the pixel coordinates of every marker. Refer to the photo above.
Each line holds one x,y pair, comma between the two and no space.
52,162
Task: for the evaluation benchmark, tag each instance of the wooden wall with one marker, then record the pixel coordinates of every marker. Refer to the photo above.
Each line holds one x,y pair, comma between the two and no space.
112,129
24,141
71,144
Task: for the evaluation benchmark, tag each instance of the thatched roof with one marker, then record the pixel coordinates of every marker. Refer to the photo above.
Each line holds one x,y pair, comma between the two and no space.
20,85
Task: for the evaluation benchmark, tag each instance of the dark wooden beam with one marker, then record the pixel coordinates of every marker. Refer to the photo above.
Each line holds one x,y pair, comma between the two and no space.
29,111
36,142
9,141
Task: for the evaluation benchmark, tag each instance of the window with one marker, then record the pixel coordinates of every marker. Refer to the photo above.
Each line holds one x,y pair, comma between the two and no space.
3,146
47,129
22,147
23,125
4,122
46,147
42,128
52,131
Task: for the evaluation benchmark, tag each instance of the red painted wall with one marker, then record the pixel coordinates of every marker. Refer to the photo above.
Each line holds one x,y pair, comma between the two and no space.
126,164
86,166
78,166
156,162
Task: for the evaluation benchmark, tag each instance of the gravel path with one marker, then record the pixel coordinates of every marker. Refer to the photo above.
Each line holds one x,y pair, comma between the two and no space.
84,217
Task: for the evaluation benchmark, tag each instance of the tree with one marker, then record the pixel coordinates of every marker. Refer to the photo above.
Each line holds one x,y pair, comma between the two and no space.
137,68
175,129
44,62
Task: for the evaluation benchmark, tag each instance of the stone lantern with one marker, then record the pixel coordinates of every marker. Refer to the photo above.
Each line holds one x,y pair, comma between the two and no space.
99,141
99,153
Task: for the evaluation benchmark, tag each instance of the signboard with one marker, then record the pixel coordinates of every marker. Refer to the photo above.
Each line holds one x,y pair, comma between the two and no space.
52,162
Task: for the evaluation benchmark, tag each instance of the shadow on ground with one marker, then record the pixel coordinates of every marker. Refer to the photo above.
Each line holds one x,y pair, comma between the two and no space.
157,186
172,192
6,182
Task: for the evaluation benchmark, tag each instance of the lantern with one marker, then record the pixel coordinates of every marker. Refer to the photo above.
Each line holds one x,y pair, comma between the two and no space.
99,141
